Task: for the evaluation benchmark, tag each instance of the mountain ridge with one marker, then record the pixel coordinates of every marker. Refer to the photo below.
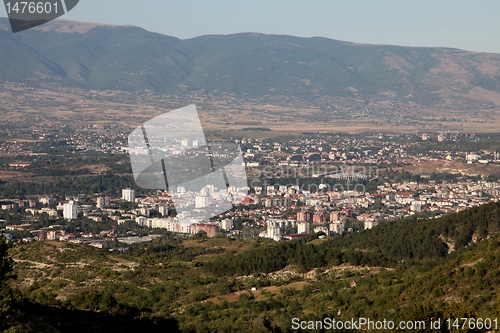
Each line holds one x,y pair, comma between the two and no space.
247,65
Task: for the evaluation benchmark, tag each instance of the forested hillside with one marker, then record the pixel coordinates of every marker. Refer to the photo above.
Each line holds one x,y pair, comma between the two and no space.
401,270
392,242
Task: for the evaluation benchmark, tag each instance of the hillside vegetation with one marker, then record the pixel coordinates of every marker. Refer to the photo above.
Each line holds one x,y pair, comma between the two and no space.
402,270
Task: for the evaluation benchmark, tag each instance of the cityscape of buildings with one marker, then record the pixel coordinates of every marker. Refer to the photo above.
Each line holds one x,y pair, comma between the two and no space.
330,184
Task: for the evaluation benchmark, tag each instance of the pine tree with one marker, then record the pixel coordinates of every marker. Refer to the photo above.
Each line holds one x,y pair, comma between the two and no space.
6,273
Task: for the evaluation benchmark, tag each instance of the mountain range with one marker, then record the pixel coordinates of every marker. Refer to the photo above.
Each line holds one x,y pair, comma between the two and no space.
246,65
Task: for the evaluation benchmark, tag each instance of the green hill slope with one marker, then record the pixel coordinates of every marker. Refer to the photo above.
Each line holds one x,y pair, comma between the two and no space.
407,270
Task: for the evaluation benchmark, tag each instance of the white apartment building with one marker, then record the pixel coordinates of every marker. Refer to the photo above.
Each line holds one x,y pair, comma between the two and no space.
103,202
128,194
226,224
337,227
70,211
273,231
303,228
370,223
202,201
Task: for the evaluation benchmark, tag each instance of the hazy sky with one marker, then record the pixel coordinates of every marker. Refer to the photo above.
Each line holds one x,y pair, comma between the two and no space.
465,24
